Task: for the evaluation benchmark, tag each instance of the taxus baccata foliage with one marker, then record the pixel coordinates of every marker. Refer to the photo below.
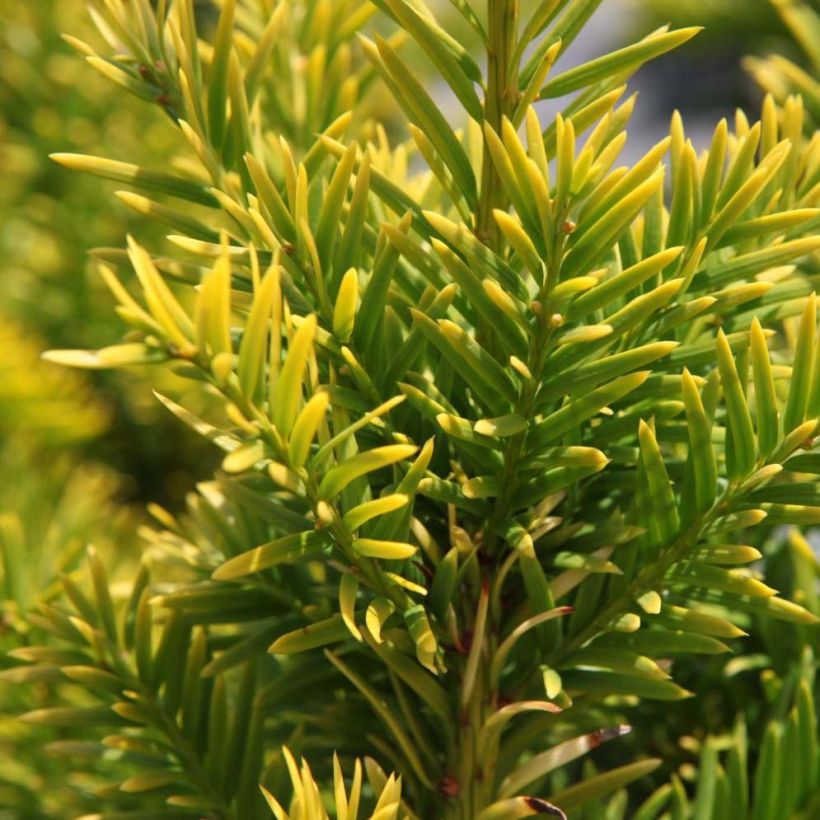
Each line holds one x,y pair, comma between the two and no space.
506,425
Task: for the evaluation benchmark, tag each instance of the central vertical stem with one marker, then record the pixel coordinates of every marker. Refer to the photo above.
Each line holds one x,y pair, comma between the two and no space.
469,767
502,89
472,771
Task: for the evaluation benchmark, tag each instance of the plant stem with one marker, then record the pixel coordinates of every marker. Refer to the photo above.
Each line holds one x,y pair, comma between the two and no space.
466,767
471,774
502,82
536,361
651,577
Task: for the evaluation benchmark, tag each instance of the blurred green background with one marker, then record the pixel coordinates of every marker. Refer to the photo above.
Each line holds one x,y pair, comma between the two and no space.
50,100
